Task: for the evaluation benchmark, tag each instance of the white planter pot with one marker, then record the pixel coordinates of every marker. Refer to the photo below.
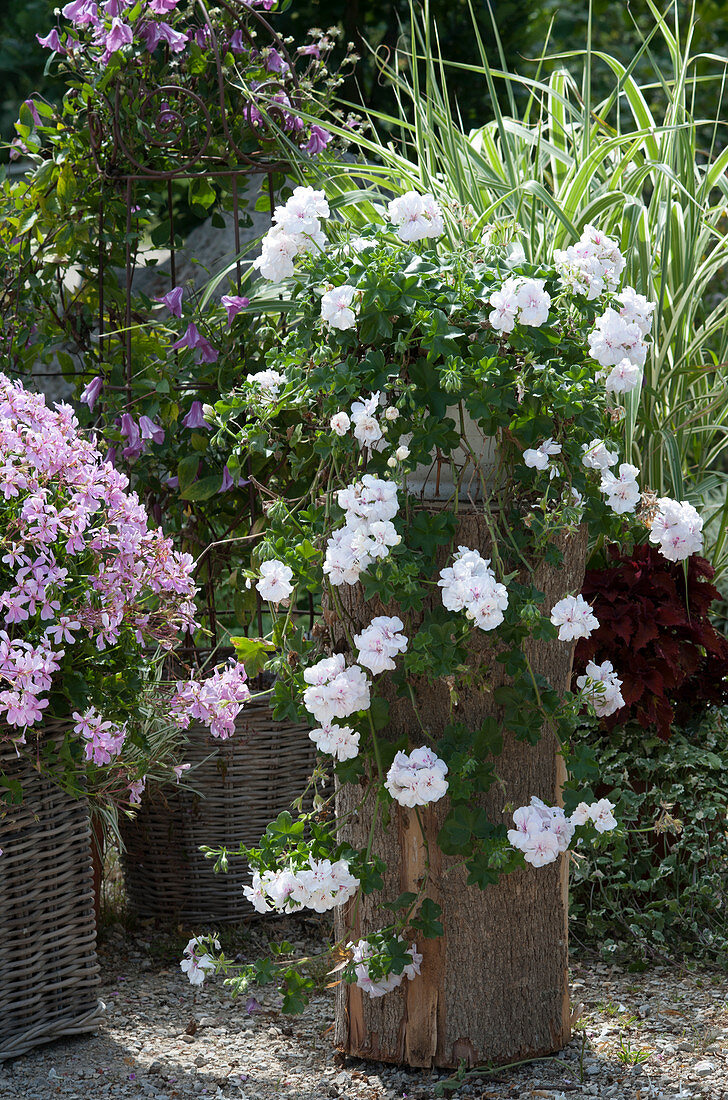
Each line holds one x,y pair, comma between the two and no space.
468,469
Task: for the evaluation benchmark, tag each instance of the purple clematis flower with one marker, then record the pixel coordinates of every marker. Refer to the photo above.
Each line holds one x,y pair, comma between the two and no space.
130,430
193,339
173,298
30,104
207,353
275,63
91,393
162,7
176,40
81,12
194,418
190,339
120,35
236,44
51,41
233,303
150,430
311,50
228,482
318,140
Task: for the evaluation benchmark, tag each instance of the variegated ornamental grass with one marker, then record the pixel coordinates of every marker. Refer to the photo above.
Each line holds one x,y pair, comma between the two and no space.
639,164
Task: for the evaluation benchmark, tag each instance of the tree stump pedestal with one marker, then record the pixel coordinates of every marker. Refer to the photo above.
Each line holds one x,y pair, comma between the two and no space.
494,987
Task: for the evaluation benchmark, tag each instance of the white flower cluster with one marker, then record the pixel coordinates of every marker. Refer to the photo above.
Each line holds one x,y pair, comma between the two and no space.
369,506
416,216
539,458
592,266
196,962
595,455
296,229
470,585
321,886
617,342
542,832
622,491
418,778
677,529
519,300
635,309
368,428
267,385
601,687
362,951
342,742
380,643
574,617
275,581
334,690
599,813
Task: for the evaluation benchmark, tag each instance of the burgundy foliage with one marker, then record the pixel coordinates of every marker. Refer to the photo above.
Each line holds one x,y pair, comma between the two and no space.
654,628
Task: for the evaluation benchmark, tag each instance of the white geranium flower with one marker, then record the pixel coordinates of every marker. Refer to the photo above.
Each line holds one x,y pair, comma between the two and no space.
574,617
367,430
601,687
636,309
614,339
596,456
623,378
600,813
417,217
336,308
677,529
275,581
279,250
340,423
417,779
623,494
539,458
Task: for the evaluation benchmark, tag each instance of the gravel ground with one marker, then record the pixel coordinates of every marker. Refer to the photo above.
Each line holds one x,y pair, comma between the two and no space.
659,1034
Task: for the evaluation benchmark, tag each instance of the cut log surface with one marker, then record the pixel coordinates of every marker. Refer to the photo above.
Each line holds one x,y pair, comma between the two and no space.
494,987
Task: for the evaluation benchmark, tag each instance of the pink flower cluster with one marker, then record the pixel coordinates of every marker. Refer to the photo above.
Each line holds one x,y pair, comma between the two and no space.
470,585
28,669
103,739
334,690
320,885
215,702
542,832
417,779
78,560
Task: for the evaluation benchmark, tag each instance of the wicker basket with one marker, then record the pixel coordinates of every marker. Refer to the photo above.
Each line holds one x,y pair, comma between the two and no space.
48,968
243,784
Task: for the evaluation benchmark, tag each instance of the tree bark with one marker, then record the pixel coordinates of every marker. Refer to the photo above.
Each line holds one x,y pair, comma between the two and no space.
494,987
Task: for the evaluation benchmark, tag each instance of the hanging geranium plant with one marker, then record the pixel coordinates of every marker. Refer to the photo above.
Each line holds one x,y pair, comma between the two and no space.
420,383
